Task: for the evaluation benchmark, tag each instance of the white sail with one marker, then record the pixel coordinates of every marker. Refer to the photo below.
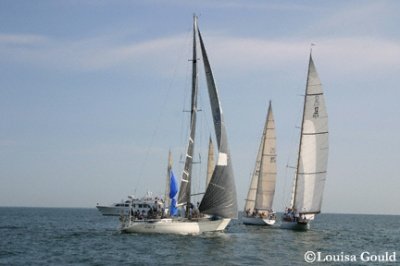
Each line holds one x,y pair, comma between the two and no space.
267,173
253,189
313,149
251,194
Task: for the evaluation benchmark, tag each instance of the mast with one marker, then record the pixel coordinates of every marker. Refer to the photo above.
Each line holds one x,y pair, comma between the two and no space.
185,188
252,192
301,136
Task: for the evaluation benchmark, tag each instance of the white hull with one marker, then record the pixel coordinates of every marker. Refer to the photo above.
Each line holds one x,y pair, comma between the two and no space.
175,226
257,221
113,211
295,226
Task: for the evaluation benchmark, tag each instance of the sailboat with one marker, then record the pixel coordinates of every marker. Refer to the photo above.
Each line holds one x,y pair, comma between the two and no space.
218,205
258,206
312,160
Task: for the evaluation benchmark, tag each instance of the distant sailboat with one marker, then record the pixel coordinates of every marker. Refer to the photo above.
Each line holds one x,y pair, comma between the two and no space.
167,199
218,205
258,206
312,158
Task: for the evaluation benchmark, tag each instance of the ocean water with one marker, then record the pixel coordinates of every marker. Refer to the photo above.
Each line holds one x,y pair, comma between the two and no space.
52,236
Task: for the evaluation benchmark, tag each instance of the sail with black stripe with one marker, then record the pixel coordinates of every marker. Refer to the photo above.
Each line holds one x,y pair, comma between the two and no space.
220,196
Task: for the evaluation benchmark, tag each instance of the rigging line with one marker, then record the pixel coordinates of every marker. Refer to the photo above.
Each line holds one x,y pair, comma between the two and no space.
160,116
293,141
184,121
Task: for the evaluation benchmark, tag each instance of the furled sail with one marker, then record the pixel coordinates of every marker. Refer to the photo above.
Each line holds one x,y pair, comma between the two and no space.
172,192
168,180
220,196
267,172
313,149
185,187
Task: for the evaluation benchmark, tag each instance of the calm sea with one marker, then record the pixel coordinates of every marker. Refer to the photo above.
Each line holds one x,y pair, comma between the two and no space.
51,236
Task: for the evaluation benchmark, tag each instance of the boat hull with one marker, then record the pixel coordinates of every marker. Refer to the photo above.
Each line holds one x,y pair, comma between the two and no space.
292,225
175,226
258,221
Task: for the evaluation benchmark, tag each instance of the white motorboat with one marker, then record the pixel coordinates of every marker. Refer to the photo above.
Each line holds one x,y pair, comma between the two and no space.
140,206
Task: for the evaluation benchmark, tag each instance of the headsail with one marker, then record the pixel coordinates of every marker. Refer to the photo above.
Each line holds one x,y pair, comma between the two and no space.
313,149
267,172
220,196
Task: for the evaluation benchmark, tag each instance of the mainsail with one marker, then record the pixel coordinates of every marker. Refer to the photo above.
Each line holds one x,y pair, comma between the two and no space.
185,187
267,172
220,196
313,149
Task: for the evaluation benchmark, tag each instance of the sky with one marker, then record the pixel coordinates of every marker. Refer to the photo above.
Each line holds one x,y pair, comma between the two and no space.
93,94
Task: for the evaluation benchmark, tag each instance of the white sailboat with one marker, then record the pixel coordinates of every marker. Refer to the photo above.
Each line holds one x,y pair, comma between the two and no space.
218,205
312,158
258,206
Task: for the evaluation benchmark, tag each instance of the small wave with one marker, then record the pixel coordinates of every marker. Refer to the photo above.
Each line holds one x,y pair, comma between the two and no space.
10,227
5,253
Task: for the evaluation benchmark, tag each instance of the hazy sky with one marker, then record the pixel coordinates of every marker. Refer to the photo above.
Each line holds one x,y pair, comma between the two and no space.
92,94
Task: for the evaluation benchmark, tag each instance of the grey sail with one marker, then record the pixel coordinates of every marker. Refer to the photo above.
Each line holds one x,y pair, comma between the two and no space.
267,172
185,186
210,161
167,183
313,149
220,196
